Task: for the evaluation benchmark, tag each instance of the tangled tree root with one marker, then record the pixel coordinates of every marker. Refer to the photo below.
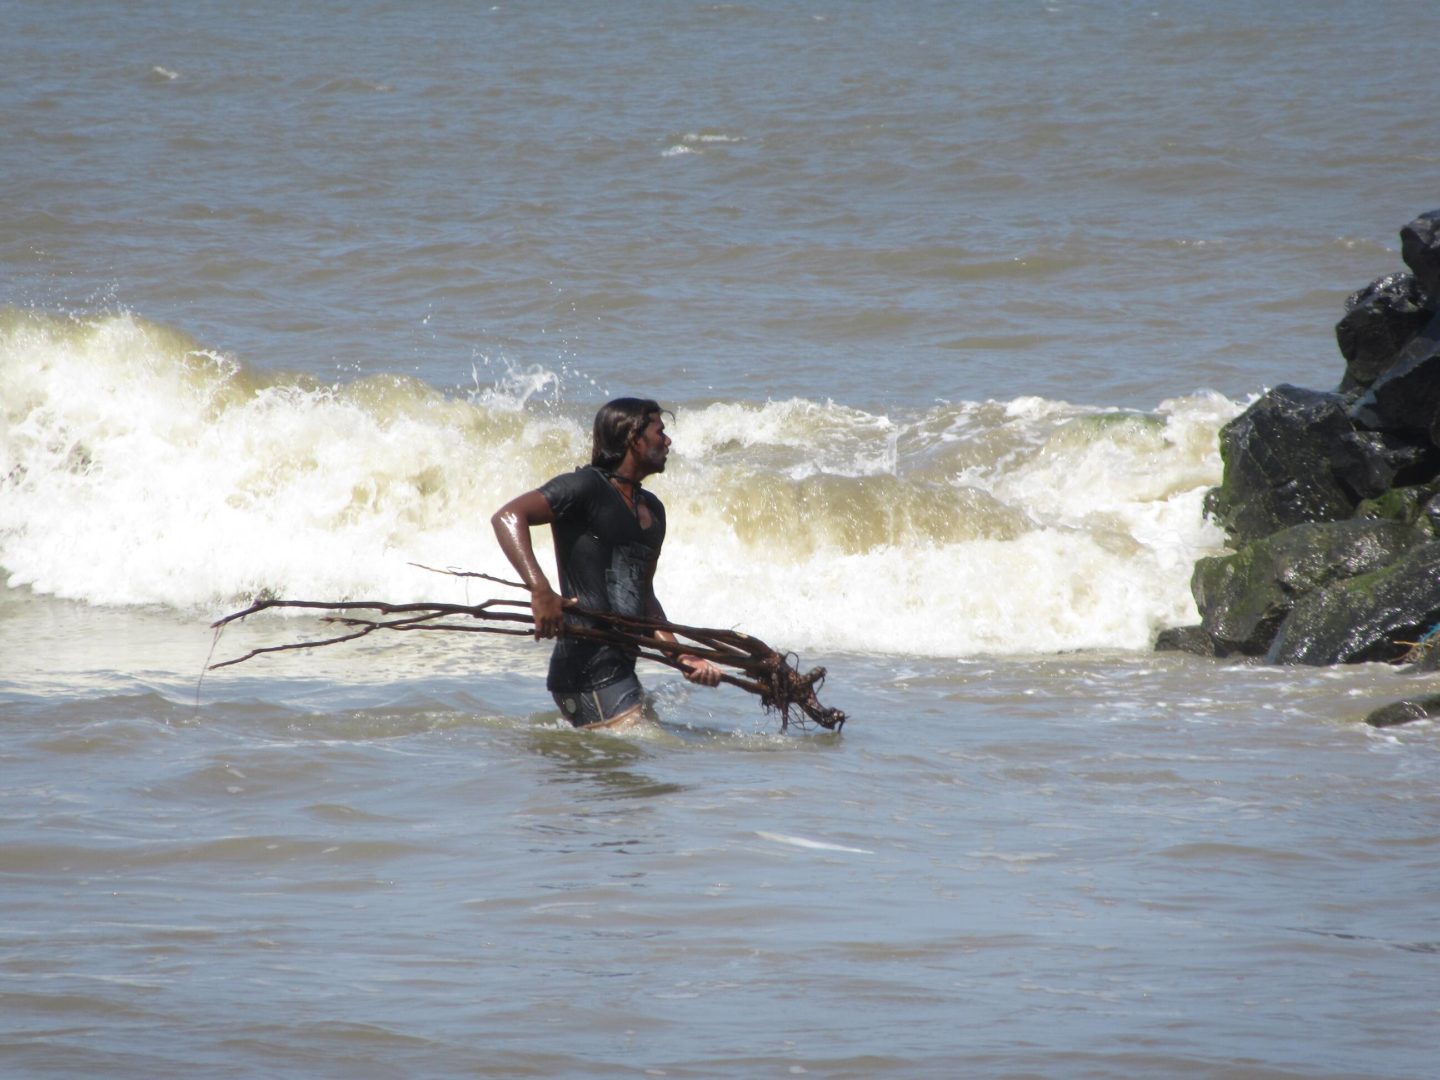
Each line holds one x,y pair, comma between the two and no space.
760,669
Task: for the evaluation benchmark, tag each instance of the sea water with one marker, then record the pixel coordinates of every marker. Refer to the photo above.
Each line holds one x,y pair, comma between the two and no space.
949,303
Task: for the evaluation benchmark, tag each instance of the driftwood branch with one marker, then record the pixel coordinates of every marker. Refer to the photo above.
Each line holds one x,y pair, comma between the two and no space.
760,670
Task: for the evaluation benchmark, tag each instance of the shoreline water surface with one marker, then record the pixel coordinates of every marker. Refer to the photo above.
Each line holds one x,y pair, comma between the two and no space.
950,301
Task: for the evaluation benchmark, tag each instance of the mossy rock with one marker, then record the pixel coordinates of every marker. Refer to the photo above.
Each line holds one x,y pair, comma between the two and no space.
1282,458
1411,505
1244,597
1373,617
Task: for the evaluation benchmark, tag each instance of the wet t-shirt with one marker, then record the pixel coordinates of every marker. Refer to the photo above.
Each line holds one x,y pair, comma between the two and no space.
605,560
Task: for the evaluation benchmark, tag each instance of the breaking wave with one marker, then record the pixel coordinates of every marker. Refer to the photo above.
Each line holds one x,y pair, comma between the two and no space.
138,467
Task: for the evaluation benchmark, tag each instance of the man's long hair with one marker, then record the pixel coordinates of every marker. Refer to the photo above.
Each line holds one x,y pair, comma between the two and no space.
617,424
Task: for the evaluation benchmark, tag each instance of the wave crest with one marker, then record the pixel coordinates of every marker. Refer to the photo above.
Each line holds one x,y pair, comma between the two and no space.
138,467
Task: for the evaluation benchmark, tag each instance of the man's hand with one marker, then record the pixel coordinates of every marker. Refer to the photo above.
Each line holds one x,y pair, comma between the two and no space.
546,605
701,671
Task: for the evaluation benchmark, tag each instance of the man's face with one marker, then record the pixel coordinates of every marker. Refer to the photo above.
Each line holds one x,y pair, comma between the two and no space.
652,445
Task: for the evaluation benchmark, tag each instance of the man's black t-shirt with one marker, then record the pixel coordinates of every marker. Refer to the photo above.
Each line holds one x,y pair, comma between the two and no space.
606,561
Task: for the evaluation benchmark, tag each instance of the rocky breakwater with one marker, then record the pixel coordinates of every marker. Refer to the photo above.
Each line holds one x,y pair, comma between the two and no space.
1331,499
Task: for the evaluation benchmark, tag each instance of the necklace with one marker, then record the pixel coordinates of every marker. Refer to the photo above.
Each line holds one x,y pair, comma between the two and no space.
633,499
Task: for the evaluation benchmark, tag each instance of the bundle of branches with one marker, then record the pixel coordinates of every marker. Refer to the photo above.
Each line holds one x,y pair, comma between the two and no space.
762,671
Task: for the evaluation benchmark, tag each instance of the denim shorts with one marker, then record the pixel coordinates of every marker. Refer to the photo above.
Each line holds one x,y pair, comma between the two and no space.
586,708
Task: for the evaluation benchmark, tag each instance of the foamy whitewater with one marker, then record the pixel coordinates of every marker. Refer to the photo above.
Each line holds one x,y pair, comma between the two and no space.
143,468
949,302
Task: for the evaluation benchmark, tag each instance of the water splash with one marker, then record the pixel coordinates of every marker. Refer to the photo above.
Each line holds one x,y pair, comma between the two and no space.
139,467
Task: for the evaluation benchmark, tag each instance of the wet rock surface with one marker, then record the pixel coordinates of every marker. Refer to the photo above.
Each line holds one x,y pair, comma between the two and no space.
1376,616
1380,319
1331,499
1298,456
1245,598
1426,707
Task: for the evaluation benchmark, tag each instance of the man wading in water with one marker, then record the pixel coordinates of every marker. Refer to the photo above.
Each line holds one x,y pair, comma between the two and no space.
607,532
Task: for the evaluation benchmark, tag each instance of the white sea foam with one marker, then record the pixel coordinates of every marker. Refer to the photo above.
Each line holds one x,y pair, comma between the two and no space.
695,142
810,845
139,468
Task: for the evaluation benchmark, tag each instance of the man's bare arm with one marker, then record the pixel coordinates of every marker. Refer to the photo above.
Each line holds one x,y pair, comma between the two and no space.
512,524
